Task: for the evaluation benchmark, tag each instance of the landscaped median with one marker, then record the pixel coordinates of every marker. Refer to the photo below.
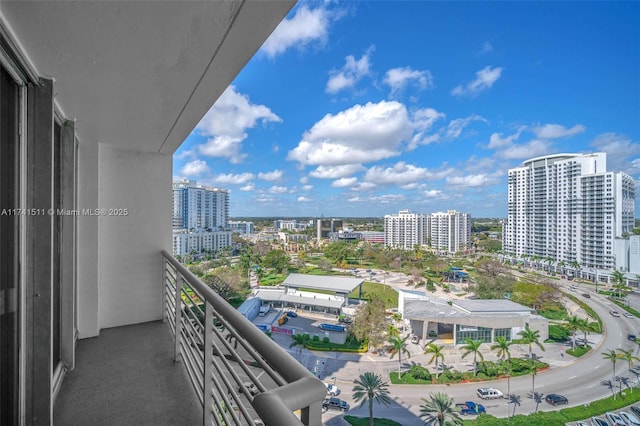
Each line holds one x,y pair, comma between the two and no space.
560,417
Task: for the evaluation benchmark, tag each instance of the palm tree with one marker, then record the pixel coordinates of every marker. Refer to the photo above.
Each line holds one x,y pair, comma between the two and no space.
586,327
574,324
437,354
627,355
533,370
398,346
473,346
300,341
618,282
502,347
439,410
531,337
576,267
370,387
612,356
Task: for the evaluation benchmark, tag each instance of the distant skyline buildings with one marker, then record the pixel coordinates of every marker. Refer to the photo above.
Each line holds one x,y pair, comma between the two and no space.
446,231
569,208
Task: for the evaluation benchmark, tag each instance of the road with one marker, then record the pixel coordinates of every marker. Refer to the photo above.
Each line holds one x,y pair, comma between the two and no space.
580,380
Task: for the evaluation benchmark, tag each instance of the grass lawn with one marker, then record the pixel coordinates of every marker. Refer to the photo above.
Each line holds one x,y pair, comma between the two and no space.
579,351
386,293
364,421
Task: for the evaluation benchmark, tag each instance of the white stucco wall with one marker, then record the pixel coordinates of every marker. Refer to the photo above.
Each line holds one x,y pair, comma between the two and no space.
87,250
129,268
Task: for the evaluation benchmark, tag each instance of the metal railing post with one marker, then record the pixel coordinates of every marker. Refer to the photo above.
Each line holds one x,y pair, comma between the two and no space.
178,317
207,382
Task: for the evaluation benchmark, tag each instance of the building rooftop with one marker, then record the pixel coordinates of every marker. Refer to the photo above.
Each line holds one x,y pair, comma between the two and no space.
483,306
323,282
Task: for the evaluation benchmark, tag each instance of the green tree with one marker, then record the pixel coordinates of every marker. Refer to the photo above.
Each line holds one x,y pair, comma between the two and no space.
437,354
574,324
473,347
531,337
276,259
502,347
299,341
439,410
370,387
398,346
612,356
627,355
370,322
339,251
619,282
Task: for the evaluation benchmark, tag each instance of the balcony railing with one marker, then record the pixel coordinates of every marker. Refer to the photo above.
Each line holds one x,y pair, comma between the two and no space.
241,376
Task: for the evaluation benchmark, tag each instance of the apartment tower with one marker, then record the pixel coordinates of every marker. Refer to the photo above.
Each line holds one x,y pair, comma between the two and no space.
406,229
450,231
568,208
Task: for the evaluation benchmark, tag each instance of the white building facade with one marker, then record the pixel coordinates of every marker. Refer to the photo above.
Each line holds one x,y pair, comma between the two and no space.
569,208
406,229
198,207
241,227
450,231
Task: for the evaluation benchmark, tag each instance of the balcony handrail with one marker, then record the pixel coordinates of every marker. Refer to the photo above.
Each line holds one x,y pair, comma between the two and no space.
275,407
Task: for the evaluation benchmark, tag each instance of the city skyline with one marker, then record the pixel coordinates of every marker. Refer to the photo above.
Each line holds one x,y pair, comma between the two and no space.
363,109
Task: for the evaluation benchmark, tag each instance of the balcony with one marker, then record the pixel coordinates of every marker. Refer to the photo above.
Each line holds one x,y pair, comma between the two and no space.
160,373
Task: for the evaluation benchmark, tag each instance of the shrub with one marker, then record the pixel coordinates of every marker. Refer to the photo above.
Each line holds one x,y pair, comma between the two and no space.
419,372
316,338
325,339
306,336
558,333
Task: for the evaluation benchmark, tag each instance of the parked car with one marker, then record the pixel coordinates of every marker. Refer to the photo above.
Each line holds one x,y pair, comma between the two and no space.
489,393
614,419
628,315
555,399
471,407
292,314
599,421
614,314
587,295
415,339
332,389
635,409
631,419
335,404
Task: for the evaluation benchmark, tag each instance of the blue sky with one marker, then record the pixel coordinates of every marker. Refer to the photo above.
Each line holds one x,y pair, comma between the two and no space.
367,108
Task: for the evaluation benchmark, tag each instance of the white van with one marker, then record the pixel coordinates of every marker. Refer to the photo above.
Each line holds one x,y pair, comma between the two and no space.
489,393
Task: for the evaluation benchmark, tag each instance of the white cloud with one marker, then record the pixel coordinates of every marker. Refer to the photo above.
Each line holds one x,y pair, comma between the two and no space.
400,174
486,48
433,193
363,186
278,189
273,176
305,27
530,149
194,168
334,172
620,151
303,199
233,179
455,127
360,134
344,182
485,78
399,78
554,131
471,181
248,187
307,187
352,71
423,121
226,123
496,140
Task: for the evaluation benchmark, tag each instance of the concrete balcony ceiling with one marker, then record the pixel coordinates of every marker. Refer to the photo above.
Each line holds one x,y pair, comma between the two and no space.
140,75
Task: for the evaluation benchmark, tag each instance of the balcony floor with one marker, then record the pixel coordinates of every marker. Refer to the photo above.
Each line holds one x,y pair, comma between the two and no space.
127,376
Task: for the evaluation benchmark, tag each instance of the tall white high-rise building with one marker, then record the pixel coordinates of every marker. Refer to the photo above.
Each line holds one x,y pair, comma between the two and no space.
569,208
200,217
450,231
198,207
406,229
